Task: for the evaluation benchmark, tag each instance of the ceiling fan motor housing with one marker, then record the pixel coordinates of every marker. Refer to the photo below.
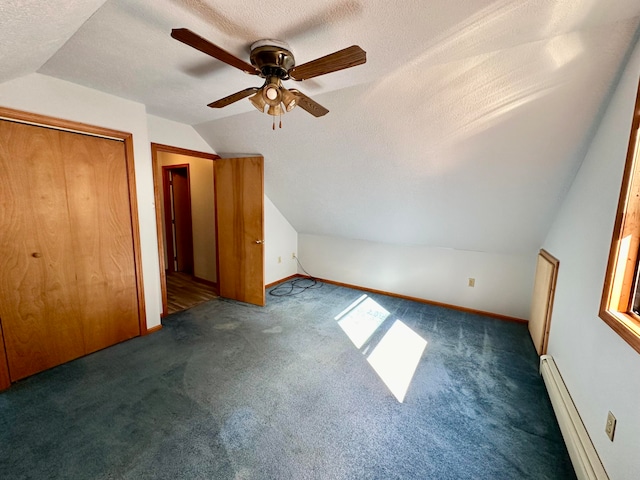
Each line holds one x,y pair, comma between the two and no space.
273,58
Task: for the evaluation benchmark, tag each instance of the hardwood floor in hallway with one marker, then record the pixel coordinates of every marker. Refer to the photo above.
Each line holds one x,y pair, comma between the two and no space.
184,292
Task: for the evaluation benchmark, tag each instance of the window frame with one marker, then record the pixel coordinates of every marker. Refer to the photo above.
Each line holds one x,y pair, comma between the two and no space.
617,295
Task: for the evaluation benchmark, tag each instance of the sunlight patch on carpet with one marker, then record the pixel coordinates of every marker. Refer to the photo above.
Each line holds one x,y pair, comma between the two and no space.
396,355
361,319
396,358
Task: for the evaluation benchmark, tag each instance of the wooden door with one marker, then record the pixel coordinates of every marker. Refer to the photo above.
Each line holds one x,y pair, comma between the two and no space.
102,239
542,300
69,284
239,189
39,310
181,196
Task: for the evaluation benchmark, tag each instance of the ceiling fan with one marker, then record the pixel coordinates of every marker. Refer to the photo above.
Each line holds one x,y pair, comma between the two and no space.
273,61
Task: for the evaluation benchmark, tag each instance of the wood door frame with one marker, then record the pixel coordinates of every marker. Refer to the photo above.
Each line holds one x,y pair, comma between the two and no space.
46,121
555,263
552,293
157,185
171,248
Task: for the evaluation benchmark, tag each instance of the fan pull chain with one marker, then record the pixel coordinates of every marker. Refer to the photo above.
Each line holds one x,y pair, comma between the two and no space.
273,127
280,121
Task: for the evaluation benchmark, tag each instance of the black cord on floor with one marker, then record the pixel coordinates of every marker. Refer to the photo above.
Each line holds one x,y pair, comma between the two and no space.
296,286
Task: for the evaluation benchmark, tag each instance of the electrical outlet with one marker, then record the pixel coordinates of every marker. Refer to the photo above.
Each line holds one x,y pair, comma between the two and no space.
279,259
472,282
610,428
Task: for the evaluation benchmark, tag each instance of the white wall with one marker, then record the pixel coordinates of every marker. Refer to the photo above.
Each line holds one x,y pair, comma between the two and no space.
503,282
601,371
281,240
174,134
57,98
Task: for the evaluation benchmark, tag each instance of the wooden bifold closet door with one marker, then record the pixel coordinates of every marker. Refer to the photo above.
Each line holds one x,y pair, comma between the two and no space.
68,285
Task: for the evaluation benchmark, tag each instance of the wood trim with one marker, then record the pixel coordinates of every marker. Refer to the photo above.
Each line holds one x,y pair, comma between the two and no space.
549,258
156,147
157,179
624,325
497,316
153,329
552,294
12,115
135,229
5,378
285,279
623,255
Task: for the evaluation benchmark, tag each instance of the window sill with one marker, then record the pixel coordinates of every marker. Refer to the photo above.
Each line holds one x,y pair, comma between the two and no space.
624,324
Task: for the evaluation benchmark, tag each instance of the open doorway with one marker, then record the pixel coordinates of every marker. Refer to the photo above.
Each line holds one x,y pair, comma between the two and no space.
178,224
228,253
187,237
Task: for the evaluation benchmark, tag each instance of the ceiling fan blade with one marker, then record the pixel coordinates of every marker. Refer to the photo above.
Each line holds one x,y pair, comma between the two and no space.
223,102
187,37
346,58
311,106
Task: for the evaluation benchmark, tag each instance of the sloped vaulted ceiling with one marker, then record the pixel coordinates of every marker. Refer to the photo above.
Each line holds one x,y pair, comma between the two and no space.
31,31
464,128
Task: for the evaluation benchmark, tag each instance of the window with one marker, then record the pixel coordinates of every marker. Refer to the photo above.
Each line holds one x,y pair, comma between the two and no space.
620,306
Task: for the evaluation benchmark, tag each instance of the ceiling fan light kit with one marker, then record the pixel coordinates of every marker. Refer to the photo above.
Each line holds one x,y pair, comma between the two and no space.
258,101
271,91
273,61
289,100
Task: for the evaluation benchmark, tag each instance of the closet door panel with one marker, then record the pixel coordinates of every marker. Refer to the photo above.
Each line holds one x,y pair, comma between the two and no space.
39,310
102,239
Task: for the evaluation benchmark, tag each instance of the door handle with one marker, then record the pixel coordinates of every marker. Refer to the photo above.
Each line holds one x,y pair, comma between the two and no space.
259,242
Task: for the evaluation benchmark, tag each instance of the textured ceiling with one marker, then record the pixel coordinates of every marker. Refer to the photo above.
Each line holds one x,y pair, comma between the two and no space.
463,129
31,31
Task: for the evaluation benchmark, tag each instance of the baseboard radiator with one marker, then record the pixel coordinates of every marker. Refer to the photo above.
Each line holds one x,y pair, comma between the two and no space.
583,454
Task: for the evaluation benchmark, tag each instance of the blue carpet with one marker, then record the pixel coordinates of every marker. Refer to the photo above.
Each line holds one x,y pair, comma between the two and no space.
231,391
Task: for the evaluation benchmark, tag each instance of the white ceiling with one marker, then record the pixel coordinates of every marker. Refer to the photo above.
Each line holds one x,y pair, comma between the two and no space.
464,128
